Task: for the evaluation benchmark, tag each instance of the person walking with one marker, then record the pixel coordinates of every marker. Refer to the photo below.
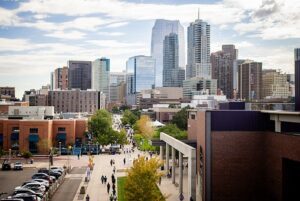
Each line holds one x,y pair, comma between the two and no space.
105,179
108,187
124,161
114,169
114,187
111,162
102,179
87,198
111,197
78,156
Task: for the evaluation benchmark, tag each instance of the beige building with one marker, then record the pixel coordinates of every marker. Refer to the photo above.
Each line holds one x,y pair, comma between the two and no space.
199,86
74,100
60,78
275,85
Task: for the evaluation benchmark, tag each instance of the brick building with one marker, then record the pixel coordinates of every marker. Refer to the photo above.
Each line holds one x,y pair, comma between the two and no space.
247,155
38,136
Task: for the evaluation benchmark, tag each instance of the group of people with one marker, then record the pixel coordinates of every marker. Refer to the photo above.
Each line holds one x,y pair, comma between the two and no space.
113,196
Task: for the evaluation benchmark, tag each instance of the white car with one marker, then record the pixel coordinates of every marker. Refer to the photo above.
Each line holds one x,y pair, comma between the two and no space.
18,166
35,186
42,181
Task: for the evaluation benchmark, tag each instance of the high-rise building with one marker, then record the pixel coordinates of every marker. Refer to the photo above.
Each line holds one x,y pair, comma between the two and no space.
222,63
172,74
117,77
60,78
80,75
74,100
198,55
199,86
250,80
275,84
140,75
117,87
100,75
297,79
160,29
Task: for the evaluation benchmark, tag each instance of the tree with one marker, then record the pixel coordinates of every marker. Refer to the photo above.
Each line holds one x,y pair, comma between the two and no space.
181,118
144,127
26,155
141,181
172,130
129,118
115,110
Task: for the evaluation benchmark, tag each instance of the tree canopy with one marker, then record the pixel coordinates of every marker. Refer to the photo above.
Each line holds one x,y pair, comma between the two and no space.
129,118
172,130
181,118
100,125
143,126
141,181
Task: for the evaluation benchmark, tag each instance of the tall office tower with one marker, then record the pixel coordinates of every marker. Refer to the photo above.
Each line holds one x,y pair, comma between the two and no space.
116,87
171,70
275,84
60,78
222,65
198,55
250,80
160,29
80,75
297,79
140,75
117,77
100,75
52,80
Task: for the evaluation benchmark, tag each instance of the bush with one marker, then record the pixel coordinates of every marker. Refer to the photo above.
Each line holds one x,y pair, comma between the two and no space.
172,130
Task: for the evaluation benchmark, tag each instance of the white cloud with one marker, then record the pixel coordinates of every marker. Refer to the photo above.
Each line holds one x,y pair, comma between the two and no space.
117,24
111,33
114,44
67,35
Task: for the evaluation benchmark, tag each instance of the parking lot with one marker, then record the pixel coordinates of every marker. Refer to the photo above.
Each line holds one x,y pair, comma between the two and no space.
11,179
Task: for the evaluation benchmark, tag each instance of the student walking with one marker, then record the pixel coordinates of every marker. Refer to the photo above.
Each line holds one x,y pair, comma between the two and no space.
124,161
102,179
108,188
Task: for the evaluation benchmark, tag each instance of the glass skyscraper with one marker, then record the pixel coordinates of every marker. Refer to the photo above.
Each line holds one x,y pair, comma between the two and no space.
80,75
198,62
172,76
140,75
160,29
101,75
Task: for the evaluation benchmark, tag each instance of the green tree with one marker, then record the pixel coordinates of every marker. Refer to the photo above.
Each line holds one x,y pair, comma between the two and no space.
115,110
26,155
180,118
172,130
140,184
129,118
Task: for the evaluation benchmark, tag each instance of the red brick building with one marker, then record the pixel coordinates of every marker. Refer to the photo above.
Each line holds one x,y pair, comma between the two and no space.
38,136
247,155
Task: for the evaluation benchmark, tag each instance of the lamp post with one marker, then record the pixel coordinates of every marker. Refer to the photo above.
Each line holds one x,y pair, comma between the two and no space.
59,148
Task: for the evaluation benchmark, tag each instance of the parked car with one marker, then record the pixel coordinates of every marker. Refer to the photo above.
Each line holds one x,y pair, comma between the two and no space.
27,197
43,170
27,191
55,174
12,199
6,165
18,166
46,183
36,187
57,169
44,176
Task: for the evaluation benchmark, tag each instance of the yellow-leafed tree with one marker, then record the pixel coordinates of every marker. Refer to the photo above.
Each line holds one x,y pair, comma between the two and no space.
145,127
141,181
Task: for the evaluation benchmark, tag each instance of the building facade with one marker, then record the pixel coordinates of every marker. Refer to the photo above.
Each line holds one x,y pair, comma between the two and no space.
160,29
199,86
140,75
60,78
80,75
297,79
250,80
117,77
38,136
101,75
275,85
198,55
172,74
74,101
223,68
7,91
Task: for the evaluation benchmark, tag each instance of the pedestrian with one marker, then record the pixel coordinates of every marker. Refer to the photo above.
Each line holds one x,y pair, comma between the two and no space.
170,170
114,169
108,188
114,187
111,162
159,180
102,179
105,179
124,161
87,198
115,197
78,156
111,198
114,192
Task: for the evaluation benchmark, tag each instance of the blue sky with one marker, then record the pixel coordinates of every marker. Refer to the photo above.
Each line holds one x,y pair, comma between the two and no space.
38,36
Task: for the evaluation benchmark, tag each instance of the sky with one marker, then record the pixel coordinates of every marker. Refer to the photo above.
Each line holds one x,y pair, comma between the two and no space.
37,36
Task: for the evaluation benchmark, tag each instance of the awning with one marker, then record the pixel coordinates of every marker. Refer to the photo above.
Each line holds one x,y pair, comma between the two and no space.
61,136
33,137
14,136
1,137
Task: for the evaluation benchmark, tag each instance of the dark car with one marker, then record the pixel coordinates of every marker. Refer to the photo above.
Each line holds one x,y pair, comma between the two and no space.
42,176
27,191
55,174
6,165
27,197
43,170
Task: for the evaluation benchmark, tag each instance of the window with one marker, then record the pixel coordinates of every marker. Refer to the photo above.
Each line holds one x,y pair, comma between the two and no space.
33,130
61,129
193,116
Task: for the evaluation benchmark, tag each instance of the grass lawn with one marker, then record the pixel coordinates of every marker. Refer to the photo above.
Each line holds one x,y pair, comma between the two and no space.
120,185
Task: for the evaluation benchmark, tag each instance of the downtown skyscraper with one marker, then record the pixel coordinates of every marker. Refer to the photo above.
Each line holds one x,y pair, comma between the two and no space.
80,75
172,74
160,29
101,75
198,55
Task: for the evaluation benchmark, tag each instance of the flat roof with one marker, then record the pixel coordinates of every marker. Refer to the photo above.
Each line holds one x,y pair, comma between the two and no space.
280,112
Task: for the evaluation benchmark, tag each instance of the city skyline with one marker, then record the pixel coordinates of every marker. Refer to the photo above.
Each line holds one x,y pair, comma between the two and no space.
38,37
